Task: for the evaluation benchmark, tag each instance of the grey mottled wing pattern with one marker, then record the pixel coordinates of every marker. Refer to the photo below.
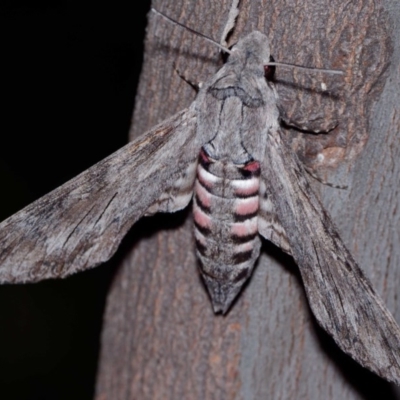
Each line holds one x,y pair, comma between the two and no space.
340,296
178,195
80,224
269,226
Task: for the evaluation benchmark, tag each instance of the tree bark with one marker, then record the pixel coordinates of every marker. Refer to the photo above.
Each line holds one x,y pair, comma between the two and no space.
161,339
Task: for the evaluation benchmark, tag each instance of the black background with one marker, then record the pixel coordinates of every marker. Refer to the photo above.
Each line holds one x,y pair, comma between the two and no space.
68,77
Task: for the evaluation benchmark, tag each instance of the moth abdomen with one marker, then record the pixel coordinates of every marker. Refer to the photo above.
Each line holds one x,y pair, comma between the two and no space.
225,209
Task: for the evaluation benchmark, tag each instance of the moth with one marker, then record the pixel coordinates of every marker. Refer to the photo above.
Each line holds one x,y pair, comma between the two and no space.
226,152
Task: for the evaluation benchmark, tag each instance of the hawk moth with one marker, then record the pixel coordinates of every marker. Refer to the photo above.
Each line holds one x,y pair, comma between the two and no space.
226,149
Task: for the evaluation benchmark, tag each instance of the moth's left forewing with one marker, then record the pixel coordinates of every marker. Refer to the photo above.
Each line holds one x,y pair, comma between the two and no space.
80,224
178,194
340,296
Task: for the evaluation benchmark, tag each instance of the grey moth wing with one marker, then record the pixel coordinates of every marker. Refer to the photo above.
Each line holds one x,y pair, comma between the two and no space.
80,224
269,225
340,295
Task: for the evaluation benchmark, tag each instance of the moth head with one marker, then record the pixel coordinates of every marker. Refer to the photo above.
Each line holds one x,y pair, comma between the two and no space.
254,47
253,51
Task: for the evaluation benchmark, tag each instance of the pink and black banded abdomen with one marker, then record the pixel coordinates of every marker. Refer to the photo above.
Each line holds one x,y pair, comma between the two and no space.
225,208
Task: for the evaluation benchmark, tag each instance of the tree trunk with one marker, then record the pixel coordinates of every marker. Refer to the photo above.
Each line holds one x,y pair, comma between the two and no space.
161,339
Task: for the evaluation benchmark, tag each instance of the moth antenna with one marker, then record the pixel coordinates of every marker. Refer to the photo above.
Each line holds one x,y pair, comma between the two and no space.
310,69
226,50
191,30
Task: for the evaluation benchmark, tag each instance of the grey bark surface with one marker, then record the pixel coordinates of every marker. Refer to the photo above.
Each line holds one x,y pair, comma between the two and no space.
161,339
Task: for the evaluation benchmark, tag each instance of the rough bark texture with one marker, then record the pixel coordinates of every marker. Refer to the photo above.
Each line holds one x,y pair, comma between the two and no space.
161,339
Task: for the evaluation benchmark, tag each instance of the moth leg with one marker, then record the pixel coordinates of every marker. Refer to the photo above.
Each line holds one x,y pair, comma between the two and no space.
313,127
310,126
323,181
195,85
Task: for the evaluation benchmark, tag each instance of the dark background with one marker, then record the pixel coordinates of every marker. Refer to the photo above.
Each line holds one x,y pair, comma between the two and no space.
68,78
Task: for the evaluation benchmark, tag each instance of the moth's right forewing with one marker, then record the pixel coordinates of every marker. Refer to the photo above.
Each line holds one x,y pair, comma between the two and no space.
80,224
269,225
340,296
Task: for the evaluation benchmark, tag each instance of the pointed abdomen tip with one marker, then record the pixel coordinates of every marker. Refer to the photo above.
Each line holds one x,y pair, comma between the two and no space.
222,293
